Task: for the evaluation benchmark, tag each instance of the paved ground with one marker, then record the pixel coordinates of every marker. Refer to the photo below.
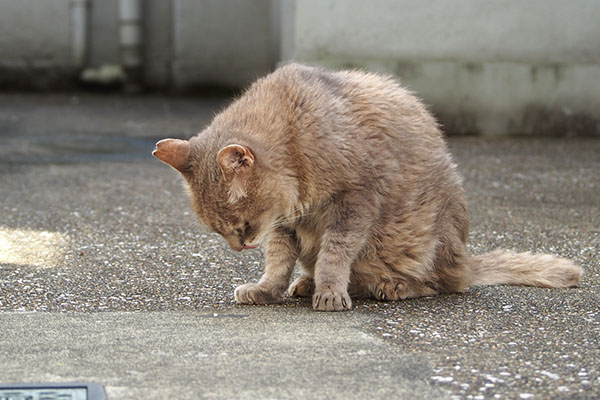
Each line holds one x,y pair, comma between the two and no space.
106,276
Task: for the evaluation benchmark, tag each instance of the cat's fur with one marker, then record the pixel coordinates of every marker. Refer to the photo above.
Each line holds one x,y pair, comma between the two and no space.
348,174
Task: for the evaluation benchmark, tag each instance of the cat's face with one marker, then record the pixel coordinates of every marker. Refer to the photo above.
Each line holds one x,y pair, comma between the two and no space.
229,192
242,224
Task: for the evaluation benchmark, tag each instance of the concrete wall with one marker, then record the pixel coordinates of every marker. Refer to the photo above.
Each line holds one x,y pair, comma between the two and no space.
533,31
222,42
26,37
488,67
158,44
158,39
33,51
491,67
188,44
104,33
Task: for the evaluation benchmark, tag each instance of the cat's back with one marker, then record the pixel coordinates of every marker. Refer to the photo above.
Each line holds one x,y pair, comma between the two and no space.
365,102
335,101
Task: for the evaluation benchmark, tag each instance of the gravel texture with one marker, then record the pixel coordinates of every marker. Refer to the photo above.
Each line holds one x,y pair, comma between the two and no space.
89,222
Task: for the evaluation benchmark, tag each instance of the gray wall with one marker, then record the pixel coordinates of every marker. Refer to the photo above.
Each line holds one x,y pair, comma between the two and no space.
158,39
222,42
34,52
103,33
26,37
492,67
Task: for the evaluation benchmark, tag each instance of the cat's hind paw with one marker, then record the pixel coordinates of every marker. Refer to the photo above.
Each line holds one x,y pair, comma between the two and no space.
331,300
303,286
253,293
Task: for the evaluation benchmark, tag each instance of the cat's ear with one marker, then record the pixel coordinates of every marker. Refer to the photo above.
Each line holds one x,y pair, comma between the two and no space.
174,152
236,163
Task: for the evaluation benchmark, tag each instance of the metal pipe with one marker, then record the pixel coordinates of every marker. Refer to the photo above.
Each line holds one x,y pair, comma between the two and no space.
79,31
130,39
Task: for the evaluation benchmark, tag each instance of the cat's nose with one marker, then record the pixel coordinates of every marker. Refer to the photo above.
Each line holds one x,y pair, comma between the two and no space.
234,243
236,248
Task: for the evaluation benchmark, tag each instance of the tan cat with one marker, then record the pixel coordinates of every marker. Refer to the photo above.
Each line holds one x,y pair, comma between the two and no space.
348,174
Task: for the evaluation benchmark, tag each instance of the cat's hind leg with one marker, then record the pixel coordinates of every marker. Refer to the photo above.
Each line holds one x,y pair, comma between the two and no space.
303,286
384,290
378,280
391,290
449,275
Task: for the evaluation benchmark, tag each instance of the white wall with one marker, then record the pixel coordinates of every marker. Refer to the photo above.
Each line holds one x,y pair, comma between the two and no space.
532,31
492,67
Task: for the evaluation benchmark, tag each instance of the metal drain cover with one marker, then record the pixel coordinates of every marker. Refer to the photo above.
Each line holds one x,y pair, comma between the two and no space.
52,391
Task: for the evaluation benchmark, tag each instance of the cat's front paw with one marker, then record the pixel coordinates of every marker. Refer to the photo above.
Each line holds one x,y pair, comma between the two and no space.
253,293
328,299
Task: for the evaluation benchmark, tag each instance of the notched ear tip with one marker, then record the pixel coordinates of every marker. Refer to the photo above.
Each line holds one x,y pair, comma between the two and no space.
173,152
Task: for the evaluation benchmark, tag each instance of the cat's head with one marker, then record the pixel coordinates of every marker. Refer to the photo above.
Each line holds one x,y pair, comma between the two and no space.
233,192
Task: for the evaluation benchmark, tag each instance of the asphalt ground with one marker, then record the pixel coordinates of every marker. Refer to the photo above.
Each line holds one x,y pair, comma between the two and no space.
106,276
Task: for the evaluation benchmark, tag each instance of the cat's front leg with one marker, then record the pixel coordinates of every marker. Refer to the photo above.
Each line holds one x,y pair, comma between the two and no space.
352,217
332,275
280,257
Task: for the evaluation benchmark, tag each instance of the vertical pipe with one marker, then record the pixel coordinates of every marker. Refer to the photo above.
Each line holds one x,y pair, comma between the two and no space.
287,32
130,38
79,31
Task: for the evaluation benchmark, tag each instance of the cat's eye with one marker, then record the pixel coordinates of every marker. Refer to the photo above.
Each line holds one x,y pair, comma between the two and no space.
242,232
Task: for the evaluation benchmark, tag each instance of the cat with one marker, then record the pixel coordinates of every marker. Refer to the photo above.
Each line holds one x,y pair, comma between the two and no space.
349,175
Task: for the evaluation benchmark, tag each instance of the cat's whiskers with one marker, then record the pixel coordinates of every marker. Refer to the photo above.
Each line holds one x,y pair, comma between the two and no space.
193,224
299,209
287,220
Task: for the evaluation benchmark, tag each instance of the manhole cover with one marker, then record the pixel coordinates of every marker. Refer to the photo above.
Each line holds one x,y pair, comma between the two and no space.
52,391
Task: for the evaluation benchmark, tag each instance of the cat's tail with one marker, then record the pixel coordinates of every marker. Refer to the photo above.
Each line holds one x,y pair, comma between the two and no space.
503,267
